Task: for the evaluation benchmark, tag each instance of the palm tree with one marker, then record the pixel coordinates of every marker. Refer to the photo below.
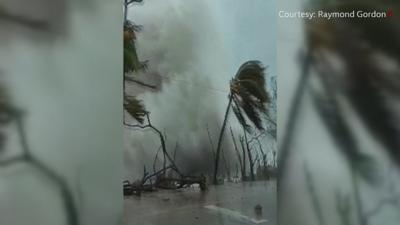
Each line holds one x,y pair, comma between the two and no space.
249,97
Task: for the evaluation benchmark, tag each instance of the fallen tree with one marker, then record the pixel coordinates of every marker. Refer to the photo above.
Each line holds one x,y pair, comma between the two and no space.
168,177
162,182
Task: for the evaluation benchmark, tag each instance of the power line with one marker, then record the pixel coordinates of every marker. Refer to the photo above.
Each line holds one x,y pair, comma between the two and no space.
211,89
198,85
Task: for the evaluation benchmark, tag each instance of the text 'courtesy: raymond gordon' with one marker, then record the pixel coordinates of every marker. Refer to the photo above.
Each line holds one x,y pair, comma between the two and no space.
331,15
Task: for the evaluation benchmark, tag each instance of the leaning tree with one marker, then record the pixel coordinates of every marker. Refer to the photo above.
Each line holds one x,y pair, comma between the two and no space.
248,99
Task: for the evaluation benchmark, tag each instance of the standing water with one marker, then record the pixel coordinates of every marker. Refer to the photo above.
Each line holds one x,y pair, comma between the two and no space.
228,204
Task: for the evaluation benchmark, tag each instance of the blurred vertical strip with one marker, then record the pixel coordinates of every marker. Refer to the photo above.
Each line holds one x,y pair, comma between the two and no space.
60,112
342,123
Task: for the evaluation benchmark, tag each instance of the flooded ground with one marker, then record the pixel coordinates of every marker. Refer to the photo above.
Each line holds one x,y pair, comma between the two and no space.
228,204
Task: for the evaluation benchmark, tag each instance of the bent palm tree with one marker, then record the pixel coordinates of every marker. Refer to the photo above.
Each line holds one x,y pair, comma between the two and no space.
248,93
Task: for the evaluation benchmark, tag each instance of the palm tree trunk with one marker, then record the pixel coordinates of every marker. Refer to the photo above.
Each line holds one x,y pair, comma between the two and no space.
237,152
226,164
221,135
244,159
164,154
251,163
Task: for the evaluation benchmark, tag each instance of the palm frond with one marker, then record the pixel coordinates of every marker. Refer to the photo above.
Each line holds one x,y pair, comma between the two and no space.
238,113
250,94
251,70
131,59
255,89
131,27
135,108
252,108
